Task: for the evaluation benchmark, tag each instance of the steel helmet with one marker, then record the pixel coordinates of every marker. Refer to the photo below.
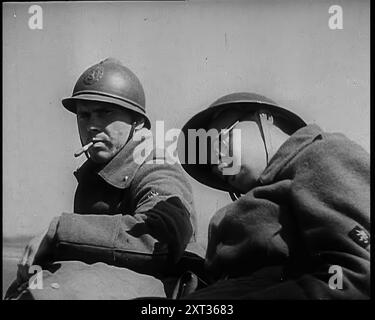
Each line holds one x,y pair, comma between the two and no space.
109,81
248,101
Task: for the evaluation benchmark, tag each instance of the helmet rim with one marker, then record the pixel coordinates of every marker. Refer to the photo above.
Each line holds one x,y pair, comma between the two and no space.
70,103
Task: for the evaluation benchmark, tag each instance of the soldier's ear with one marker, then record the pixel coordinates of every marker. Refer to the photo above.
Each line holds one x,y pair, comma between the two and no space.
139,124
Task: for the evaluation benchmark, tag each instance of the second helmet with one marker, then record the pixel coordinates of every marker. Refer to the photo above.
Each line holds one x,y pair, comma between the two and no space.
247,101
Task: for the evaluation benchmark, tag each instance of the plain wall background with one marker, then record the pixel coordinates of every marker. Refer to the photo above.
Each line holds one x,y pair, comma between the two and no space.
186,54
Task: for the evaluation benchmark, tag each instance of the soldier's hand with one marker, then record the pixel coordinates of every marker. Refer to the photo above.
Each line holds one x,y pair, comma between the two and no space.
37,251
246,235
228,244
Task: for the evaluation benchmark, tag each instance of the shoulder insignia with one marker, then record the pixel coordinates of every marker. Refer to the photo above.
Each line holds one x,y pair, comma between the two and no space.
360,236
152,194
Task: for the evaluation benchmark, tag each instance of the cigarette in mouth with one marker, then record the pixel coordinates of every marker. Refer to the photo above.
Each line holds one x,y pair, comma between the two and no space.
83,149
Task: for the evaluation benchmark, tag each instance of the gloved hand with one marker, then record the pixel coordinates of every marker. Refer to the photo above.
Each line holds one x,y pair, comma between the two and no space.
244,236
38,250
228,243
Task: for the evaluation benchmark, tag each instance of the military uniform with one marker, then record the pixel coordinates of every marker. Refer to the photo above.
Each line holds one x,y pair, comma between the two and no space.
310,212
133,227
144,212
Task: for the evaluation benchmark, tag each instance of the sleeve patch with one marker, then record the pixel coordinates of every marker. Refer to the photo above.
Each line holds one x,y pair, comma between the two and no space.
360,236
152,194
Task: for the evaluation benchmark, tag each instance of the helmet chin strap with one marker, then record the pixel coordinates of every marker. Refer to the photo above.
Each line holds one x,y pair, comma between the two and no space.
234,195
134,124
264,121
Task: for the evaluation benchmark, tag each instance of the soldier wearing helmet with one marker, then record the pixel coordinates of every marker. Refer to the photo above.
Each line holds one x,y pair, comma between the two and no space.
133,222
299,224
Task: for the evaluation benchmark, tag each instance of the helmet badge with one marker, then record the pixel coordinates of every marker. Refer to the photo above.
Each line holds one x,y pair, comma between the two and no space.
94,74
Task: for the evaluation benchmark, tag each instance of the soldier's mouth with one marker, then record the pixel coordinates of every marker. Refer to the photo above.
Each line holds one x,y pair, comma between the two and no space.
99,142
96,140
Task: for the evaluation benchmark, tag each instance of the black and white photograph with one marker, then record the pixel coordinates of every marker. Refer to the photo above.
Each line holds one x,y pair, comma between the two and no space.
186,150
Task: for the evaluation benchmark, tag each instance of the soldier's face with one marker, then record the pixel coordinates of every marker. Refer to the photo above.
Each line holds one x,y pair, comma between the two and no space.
107,125
248,151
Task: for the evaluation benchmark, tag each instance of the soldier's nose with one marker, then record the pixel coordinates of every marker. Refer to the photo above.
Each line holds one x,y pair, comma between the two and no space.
93,130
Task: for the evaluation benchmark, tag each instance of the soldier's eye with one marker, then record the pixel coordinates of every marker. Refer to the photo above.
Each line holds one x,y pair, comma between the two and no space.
105,112
83,115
